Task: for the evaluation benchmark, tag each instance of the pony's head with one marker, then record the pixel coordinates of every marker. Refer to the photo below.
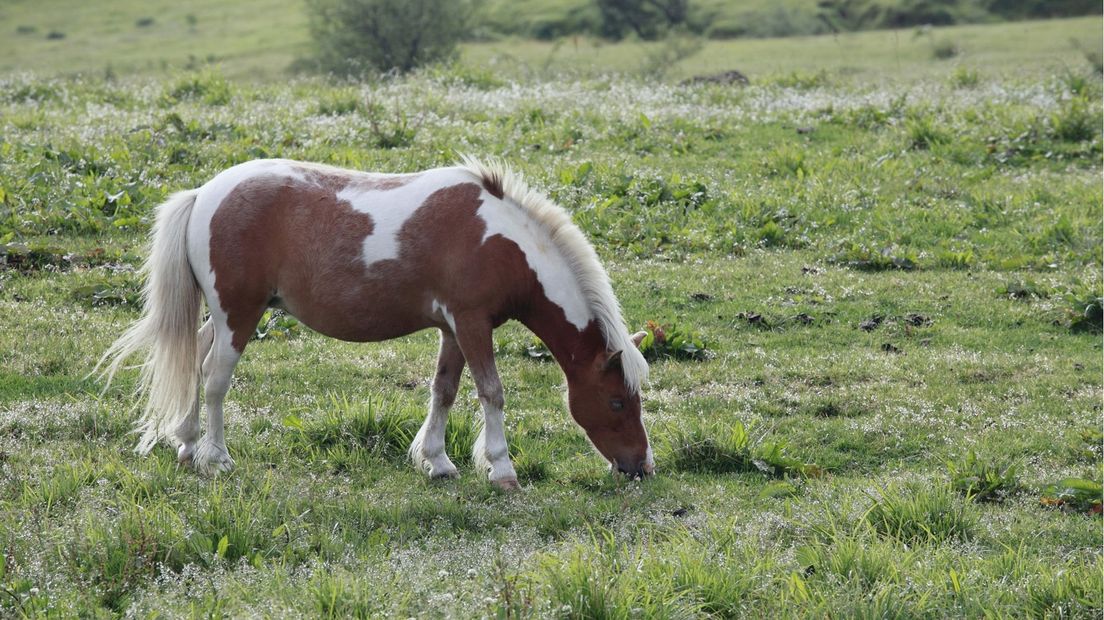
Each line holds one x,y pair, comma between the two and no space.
610,413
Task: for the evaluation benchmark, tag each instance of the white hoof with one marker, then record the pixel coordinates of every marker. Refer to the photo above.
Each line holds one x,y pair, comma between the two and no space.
442,468
185,454
435,467
507,484
211,458
434,462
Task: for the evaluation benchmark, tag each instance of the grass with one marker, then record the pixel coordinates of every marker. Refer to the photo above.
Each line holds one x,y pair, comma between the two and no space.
897,283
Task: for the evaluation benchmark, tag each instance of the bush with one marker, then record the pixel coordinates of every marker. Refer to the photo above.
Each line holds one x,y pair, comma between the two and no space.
648,19
355,36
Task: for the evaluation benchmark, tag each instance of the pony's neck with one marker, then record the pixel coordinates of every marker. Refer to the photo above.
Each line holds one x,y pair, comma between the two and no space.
575,350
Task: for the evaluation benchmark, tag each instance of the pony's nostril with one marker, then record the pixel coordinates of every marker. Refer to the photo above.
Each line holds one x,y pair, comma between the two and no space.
633,473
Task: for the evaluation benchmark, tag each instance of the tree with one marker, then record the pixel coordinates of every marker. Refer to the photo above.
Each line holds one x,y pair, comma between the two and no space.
649,19
354,36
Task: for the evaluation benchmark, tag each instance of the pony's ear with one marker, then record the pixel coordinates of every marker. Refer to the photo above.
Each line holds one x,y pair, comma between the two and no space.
612,362
638,337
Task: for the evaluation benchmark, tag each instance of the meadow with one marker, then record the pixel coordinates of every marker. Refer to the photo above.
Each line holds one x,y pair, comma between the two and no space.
880,395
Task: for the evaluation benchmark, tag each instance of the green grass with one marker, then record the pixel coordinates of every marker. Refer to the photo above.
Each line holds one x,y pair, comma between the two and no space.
898,416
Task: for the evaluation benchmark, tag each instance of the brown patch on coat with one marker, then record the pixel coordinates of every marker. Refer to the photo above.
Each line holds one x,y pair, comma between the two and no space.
269,234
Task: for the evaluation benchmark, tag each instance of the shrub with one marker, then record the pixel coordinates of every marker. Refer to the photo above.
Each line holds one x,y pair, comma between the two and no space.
944,49
648,19
964,78
354,36
1076,121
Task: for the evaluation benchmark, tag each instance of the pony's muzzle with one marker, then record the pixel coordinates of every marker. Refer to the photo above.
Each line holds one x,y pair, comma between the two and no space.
641,470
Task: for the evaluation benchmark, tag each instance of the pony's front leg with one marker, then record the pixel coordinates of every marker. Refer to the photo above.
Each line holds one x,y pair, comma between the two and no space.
490,452
428,448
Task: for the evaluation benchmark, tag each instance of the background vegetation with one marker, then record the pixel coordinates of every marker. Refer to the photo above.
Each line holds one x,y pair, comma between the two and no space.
872,282
352,37
259,40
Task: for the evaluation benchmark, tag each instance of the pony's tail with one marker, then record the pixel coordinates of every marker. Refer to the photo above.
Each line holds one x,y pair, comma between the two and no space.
166,331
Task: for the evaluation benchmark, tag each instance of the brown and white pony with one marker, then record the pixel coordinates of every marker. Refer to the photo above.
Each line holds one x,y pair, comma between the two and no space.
367,257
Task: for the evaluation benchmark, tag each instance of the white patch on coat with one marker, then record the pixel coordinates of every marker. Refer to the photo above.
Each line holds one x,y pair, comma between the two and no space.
391,208
439,309
541,253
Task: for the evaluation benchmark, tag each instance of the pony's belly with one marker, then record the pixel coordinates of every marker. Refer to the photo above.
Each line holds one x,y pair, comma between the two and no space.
360,318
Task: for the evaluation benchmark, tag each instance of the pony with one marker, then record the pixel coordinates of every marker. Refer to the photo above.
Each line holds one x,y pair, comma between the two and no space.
366,257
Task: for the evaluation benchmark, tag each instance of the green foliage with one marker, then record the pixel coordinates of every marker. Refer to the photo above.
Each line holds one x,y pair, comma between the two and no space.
1076,494
945,49
647,19
277,325
28,259
964,77
110,293
982,481
803,80
647,213
674,49
1086,312
925,131
863,14
1026,9
210,88
354,37
718,449
393,133
114,557
855,557
671,341
378,426
863,258
1076,121
341,103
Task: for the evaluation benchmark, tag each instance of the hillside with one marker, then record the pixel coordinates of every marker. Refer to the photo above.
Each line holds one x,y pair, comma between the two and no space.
149,38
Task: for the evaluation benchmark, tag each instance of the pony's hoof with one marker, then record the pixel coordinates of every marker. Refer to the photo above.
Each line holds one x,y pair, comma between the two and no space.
507,484
214,468
211,459
185,454
436,468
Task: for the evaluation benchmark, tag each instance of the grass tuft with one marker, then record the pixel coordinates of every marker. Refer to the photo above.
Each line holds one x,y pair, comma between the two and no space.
384,428
922,514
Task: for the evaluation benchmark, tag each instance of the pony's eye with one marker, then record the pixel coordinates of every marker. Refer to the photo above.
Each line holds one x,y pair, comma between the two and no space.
617,404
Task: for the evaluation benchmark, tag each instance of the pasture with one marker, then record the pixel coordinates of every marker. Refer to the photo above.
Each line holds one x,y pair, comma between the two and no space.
881,394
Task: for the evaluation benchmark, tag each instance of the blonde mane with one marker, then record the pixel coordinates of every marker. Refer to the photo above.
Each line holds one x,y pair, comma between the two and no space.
576,252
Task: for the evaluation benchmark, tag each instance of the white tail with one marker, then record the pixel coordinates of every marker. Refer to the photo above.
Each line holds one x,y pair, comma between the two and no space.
169,377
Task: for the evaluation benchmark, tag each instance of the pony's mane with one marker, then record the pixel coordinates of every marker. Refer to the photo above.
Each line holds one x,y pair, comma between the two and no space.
580,256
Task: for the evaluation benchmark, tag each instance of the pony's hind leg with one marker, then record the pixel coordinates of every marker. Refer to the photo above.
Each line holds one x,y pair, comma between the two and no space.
211,455
428,448
187,433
